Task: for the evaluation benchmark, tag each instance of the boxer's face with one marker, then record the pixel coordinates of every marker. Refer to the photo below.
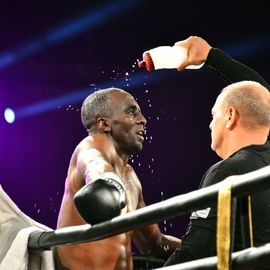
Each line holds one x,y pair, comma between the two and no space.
127,123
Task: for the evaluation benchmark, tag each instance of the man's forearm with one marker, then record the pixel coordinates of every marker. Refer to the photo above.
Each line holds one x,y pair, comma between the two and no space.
231,70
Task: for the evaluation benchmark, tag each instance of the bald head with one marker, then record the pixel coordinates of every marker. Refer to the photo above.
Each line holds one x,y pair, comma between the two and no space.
251,101
97,105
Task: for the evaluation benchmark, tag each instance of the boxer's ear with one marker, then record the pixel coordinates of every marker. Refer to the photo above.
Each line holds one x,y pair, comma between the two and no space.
104,124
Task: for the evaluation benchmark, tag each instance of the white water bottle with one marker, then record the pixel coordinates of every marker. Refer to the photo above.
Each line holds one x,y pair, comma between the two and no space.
165,57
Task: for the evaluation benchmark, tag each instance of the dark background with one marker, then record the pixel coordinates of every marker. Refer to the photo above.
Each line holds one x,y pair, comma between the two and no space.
51,49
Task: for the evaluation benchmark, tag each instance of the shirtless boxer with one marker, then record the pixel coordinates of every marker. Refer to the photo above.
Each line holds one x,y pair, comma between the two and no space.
99,165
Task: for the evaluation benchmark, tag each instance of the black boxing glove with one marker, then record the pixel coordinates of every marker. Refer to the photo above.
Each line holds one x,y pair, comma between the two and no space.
100,200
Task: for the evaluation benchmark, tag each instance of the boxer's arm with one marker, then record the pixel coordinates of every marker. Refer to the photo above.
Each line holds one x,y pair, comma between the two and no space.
151,242
91,164
103,196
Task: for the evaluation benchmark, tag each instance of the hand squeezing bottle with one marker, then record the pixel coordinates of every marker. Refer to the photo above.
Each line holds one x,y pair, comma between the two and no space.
165,57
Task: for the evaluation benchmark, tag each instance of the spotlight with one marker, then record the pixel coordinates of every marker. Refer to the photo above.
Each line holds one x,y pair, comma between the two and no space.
9,115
